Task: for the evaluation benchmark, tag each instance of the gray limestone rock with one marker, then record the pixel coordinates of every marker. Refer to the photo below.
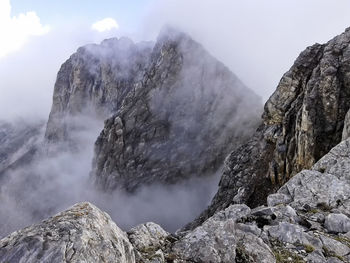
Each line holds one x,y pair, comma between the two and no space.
316,257
149,240
337,223
278,198
211,242
221,239
302,121
335,246
82,233
293,234
148,235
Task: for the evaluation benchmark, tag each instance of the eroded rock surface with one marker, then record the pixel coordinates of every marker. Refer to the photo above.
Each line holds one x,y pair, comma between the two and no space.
302,121
83,233
307,220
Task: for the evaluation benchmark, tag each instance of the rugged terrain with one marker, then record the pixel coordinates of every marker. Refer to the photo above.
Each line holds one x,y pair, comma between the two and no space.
283,197
305,221
302,121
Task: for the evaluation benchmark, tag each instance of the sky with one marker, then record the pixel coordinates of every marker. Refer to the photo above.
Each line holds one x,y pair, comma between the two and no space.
257,39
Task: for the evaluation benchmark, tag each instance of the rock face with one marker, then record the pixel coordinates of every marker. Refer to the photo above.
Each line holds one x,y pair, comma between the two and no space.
94,81
222,239
83,233
179,121
302,121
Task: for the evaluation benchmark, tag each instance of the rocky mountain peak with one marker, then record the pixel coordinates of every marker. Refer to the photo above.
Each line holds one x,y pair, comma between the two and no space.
178,122
94,81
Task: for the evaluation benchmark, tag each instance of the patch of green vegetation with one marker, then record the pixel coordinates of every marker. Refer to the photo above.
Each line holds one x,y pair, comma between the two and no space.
309,248
285,256
314,210
329,253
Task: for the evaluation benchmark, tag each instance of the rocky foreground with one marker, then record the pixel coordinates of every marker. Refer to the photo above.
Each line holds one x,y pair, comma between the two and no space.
307,220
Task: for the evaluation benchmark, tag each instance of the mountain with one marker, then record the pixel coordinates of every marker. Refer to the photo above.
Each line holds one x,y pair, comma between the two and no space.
94,81
167,113
283,196
178,122
171,110
302,120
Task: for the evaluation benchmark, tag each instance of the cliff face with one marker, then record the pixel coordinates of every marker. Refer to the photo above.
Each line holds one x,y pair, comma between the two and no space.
94,81
302,121
179,121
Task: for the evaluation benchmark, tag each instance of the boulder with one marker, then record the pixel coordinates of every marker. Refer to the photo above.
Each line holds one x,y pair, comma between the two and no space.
337,223
81,233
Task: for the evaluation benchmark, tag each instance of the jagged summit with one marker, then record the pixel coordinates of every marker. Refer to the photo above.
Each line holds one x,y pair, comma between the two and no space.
177,111
177,122
94,81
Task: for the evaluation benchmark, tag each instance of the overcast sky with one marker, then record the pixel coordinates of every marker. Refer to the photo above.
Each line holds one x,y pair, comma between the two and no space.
256,39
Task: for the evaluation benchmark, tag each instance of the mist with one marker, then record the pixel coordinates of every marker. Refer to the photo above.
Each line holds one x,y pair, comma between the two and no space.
53,182
257,40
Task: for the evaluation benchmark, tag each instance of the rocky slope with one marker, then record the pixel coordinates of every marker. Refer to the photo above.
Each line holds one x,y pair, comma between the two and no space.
179,121
307,220
302,121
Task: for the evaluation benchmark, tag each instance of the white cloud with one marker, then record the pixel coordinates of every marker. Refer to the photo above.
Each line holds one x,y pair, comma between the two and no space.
258,40
16,30
105,24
